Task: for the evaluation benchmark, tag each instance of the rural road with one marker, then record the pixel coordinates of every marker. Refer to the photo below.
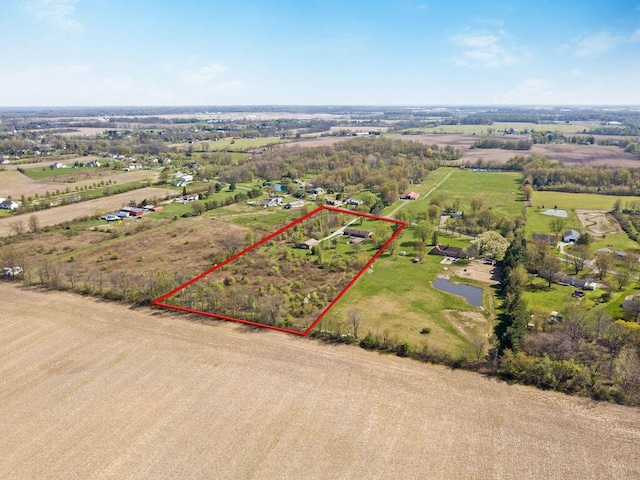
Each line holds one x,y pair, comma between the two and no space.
95,389
340,231
64,213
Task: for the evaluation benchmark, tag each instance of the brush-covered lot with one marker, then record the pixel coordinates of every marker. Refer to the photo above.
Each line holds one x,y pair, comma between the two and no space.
287,280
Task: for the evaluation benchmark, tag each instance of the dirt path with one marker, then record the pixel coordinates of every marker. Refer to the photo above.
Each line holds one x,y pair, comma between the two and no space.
93,389
96,207
598,222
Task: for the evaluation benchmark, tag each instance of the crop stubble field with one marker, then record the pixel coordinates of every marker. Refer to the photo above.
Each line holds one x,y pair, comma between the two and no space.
568,154
94,389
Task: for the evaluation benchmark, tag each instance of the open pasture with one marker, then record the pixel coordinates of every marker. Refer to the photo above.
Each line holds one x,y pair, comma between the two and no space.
398,301
498,190
232,144
497,128
573,201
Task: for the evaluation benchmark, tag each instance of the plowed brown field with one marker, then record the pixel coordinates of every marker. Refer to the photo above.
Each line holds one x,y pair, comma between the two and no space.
93,389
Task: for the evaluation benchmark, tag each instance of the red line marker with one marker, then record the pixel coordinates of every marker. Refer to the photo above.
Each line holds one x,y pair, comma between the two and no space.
160,300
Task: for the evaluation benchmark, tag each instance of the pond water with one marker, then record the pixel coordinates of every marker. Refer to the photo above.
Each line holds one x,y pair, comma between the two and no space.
473,295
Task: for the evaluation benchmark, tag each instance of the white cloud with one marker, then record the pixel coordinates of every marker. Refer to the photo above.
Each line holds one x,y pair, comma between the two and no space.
204,74
58,13
84,85
573,73
534,91
566,90
596,44
484,50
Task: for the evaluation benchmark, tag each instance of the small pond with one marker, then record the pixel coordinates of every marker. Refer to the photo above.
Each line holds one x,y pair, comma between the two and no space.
473,295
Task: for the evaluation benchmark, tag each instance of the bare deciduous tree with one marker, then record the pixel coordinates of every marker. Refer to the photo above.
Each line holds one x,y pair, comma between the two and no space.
34,224
354,317
549,267
18,227
604,261
631,308
579,257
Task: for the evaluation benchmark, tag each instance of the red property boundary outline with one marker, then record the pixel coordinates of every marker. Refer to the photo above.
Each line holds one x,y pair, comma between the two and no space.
159,301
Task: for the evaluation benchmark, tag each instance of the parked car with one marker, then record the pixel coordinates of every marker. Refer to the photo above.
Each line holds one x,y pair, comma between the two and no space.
110,217
11,271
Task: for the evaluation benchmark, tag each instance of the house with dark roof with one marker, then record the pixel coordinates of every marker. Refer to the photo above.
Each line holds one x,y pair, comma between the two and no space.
9,204
570,236
133,211
354,232
448,251
543,238
571,281
295,204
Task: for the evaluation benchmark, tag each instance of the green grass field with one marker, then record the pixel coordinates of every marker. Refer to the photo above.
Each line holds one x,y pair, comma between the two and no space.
572,201
422,203
397,300
38,173
499,190
498,127
235,156
233,144
539,223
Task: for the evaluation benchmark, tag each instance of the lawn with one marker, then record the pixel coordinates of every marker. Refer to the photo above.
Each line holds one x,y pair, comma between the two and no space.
422,203
38,173
499,190
542,300
572,201
498,127
398,301
233,144
539,223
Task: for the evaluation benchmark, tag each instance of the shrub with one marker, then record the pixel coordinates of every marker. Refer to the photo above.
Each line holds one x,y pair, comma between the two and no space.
425,331
370,342
403,348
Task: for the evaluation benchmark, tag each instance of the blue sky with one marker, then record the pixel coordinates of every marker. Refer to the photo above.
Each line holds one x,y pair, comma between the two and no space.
312,52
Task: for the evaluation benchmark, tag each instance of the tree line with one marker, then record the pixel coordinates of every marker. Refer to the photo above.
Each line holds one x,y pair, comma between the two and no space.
385,167
584,351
